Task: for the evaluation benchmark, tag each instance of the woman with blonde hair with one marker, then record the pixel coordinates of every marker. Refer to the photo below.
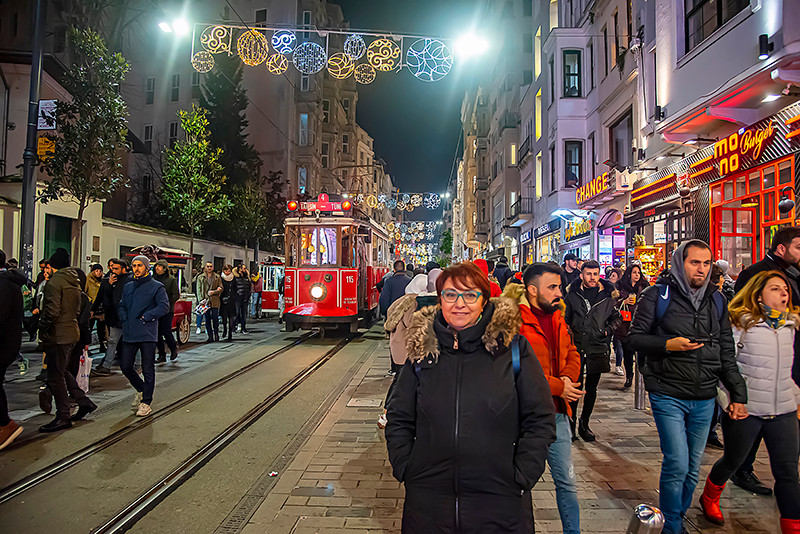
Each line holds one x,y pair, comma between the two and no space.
764,321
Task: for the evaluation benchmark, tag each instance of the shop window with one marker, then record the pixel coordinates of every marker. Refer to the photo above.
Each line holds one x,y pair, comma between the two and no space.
572,73
716,193
727,189
755,183
785,172
769,206
741,185
769,177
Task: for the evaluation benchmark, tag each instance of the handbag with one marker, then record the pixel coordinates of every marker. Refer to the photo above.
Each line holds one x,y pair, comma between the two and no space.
625,312
202,307
84,370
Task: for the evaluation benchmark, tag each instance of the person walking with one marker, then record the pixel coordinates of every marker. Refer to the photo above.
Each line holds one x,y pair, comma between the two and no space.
93,282
467,433
255,299
108,300
11,282
765,321
434,270
630,287
209,287
592,316
144,302
502,272
784,256
227,309
243,288
394,287
682,334
161,274
571,271
59,332
543,325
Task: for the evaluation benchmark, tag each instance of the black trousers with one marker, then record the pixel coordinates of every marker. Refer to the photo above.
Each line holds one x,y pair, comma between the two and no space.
589,383
241,311
165,334
101,330
627,359
6,359
61,382
782,437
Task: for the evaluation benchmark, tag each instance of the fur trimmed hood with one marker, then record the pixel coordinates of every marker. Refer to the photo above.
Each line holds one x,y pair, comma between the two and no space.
398,309
503,325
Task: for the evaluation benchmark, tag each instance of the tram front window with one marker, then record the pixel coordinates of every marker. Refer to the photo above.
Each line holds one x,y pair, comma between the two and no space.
318,246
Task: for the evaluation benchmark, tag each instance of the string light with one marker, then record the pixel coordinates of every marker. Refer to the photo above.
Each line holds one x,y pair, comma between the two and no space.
355,47
252,47
216,39
365,74
309,58
429,60
383,54
284,41
203,61
416,200
277,64
340,66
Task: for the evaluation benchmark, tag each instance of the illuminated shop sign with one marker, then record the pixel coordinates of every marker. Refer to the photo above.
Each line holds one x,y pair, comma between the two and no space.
736,151
525,236
577,229
588,191
547,228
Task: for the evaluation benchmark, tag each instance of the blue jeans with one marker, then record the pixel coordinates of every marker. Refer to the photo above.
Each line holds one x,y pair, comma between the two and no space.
562,470
255,304
112,344
212,324
200,317
617,350
127,356
682,430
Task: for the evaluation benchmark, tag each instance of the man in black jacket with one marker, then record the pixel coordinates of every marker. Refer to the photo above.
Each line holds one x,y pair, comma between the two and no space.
685,347
11,282
111,292
394,287
161,274
502,272
592,317
784,256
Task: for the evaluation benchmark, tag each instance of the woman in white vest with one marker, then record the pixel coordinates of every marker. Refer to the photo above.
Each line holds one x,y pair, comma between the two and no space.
764,321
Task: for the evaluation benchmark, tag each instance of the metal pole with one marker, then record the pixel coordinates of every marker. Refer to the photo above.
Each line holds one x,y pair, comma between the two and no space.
29,155
646,519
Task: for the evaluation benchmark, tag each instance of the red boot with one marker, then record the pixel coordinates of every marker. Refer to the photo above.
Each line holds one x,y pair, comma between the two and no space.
709,502
790,526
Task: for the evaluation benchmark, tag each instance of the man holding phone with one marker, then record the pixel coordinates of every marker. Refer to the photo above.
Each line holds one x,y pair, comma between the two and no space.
683,353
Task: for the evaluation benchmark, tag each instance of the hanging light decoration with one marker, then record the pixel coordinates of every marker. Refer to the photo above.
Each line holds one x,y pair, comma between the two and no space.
340,66
284,41
416,200
355,47
277,64
309,58
401,205
429,60
391,203
432,201
252,47
390,226
203,61
383,54
216,39
365,74
372,201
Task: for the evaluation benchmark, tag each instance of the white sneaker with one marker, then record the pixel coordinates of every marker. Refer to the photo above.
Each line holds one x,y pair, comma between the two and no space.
144,410
238,329
382,421
137,400
198,332
620,371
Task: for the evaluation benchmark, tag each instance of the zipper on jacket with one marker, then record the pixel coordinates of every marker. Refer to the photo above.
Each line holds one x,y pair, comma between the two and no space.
777,371
697,355
455,340
455,442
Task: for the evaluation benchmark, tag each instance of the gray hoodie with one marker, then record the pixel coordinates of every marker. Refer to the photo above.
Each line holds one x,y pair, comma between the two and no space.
678,273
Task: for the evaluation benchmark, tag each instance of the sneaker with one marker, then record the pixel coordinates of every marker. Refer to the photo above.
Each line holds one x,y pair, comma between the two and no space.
9,433
162,358
173,356
137,400
45,399
238,329
101,371
245,332
144,410
382,421
619,371
749,482
23,368
391,372
198,332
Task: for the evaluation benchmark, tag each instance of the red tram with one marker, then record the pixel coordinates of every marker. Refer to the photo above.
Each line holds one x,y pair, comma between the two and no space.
335,255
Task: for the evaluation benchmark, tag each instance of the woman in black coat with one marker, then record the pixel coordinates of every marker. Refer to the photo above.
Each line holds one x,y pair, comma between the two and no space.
227,302
467,434
630,286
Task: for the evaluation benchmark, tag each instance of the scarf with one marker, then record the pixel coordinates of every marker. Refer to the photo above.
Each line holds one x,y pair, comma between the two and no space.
773,318
227,277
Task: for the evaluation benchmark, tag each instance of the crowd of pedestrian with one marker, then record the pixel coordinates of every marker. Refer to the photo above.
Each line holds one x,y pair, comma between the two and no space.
469,372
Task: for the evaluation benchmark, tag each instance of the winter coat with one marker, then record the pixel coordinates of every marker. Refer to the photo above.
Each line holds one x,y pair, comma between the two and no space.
568,278
209,290
171,285
83,320
765,357
502,273
689,375
144,302
111,296
58,322
393,288
771,263
243,287
258,284
466,437
566,361
624,292
11,282
592,326
228,296
92,287
398,318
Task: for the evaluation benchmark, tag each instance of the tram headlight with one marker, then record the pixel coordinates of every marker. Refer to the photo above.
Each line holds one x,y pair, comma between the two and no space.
317,292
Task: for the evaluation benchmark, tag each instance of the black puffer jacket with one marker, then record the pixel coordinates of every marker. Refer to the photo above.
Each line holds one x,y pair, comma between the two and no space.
11,282
466,442
694,374
593,325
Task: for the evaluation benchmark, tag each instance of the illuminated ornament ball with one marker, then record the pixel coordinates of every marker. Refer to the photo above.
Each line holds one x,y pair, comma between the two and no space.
404,227
340,66
391,203
382,199
203,61
216,39
431,225
309,58
409,207
429,235
401,205
383,54
360,198
277,64
429,60
372,202
284,41
252,47
355,47
432,201
416,200
406,198
365,74
390,226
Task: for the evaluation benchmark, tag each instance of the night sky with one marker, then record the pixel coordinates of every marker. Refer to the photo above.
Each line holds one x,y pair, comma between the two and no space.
416,125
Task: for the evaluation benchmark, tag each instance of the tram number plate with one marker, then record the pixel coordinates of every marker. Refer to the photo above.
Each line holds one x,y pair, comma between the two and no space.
350,279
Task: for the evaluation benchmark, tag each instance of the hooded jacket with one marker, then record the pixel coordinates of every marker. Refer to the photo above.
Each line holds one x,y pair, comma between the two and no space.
694,374
394,287
398,319
58,323
502,272
170,284
144,301
564,361
592,325
11,282
466,437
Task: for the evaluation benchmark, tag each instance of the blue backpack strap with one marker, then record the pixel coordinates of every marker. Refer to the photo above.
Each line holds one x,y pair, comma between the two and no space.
662,302
515,356
720,303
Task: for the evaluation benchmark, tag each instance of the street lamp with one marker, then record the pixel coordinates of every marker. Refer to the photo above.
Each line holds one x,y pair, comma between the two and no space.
471,45
179,26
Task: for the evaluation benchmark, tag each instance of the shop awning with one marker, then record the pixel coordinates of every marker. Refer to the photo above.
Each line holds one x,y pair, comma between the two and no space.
610,219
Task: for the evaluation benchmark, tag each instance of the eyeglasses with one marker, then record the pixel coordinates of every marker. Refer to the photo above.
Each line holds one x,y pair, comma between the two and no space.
470,297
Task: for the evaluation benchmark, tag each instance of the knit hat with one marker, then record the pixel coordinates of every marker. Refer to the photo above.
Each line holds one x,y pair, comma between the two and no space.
59,259
163,263
144,259
95,266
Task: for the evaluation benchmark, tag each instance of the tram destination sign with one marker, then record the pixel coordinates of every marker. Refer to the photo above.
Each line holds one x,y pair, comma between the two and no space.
322,204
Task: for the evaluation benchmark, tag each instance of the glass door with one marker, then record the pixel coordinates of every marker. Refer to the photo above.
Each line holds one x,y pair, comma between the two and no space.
736,235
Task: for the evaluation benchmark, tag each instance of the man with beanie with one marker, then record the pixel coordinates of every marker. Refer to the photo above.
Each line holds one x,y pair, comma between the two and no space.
11,282
59,332
107,302
144,302
685,348
161,274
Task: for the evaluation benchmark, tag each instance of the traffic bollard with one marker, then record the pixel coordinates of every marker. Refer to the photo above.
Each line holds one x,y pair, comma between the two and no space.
647,519
639,394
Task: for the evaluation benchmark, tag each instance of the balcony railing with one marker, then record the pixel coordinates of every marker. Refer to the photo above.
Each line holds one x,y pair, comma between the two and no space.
524,149
523,206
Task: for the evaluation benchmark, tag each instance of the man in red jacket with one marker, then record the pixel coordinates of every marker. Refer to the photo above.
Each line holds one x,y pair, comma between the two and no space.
544,327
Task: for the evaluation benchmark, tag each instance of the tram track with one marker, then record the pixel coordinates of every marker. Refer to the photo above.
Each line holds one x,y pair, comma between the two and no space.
42,475
128,516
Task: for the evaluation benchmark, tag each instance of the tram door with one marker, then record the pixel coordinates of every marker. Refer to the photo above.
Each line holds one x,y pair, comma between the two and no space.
362,273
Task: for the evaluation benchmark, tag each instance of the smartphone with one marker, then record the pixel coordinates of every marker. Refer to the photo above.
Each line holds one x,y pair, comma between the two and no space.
700,340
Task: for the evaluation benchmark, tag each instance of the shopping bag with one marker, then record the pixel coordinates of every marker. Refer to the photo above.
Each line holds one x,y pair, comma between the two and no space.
202,307
84,371
627,314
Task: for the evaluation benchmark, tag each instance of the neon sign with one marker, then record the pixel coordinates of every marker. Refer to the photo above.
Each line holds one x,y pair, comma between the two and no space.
728,152
588,191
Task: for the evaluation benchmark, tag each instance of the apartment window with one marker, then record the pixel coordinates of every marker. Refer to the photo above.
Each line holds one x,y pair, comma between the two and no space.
261,16
553,14
147,188
552,80
537,53
513,158
552,168
346,107
629,16
306,23
303,137
527,8
173,133
572,73
148,137
326,111
615,52
345,143
304,82
621,137
538,171
325,155
591,66
573,153
605,49
527,43
527,77
195,84
175,88
538,111
703,17
593,152
149,90
302,180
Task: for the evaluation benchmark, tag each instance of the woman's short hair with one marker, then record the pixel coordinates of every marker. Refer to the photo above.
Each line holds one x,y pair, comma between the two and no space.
465,275
228,267
745,309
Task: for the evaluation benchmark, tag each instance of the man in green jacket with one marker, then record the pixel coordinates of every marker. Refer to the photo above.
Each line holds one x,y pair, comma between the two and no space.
58,332
162,275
